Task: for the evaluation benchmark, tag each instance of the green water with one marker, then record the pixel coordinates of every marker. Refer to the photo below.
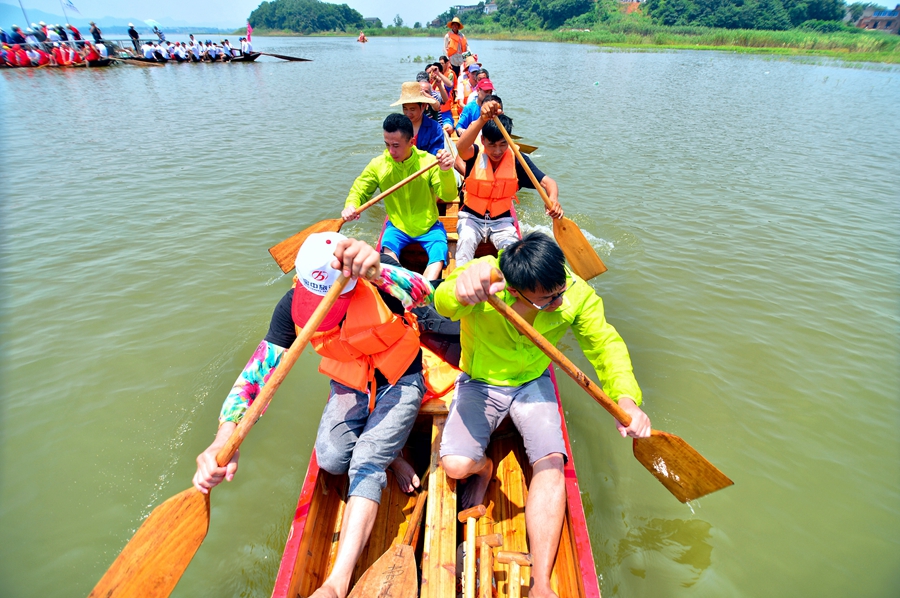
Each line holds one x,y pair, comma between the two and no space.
747,208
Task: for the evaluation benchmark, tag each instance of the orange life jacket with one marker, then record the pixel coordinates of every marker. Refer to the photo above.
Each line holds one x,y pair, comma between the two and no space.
371,337
457,44
448,105
490,189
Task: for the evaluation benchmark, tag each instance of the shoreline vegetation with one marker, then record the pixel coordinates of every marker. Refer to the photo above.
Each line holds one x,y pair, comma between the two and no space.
810,28
850,47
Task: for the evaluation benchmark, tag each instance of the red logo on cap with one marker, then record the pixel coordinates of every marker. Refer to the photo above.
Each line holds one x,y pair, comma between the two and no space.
319,275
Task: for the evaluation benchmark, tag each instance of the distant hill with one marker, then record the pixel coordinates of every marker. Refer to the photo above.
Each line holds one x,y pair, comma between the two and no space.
306,16
12,15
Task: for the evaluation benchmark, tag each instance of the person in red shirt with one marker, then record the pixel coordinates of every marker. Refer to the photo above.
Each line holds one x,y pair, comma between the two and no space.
17,56
76,35
60,55
43,57
90,52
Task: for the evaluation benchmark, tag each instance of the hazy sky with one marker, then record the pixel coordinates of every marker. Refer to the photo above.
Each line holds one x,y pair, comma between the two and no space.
234,12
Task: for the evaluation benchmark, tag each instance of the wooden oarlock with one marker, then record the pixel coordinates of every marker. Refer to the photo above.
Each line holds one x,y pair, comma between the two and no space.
516,561
486,563
469,516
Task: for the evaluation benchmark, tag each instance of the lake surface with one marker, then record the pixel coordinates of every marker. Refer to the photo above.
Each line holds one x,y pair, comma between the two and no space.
747,208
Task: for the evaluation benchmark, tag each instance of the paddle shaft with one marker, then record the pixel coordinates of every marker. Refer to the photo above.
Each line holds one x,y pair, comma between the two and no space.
283,57
577,249
281,371
286,251
525,167
394,187
416,516
561,360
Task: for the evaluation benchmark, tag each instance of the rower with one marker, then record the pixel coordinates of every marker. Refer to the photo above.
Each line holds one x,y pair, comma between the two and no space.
229,51
76,35
491,185
412,210
195,50
246,46
427,132
472,110
504,373
370,349
147,50
90,52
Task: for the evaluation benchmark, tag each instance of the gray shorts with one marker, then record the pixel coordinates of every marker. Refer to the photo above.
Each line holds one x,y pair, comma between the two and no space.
351,440
478,409
472,230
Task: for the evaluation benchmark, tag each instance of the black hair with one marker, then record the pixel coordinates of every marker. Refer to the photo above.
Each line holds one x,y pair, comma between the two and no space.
533,263
398,122
485,71
490,131
421,76
492,98
443,59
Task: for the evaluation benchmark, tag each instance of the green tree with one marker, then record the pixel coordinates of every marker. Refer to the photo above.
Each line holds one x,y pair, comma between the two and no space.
557,12
306,16
417,25
398,22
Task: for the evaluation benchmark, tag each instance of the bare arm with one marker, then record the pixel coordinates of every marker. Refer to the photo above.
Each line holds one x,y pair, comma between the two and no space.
488,111
552,190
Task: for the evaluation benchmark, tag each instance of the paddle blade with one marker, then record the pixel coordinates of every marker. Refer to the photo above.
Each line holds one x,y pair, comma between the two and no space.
393,575
681,469
525,148
285,253
577,249
153,561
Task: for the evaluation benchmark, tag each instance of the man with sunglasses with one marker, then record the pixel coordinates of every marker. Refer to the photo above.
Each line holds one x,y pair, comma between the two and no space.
505,373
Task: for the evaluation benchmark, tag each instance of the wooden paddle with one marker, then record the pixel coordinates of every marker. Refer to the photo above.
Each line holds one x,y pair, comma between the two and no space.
153,561
286,252
136,62
681,469
577,249
283,57
394,574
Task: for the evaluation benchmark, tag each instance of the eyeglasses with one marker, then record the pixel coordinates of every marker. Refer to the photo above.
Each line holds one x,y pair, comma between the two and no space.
553,299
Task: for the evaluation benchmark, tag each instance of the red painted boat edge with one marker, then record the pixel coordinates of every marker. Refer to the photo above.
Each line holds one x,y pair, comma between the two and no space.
576,510
298,526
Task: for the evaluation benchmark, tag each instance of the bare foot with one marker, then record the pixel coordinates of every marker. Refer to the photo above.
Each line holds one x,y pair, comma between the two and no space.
476,486
325,592
405,474
535,592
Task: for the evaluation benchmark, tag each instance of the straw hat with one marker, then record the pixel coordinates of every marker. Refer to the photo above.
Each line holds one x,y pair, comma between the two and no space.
411,93
457,21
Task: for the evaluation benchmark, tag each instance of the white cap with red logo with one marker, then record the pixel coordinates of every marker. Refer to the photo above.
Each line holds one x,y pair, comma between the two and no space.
315,276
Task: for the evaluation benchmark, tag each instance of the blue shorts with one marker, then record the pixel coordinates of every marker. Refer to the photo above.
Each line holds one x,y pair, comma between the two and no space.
434,242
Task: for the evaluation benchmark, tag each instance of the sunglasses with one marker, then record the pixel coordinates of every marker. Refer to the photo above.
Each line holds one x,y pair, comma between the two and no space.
553,299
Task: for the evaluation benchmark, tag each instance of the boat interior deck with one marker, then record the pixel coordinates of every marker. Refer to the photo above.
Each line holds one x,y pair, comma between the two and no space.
316,529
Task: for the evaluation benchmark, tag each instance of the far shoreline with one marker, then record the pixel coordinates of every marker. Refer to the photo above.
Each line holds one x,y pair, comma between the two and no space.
806,44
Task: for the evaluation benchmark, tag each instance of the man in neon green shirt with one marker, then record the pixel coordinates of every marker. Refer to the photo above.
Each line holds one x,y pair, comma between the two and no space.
504,373
412,209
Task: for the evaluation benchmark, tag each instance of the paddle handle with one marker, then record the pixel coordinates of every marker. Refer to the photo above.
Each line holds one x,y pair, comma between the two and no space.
281,371
525,167
556,356
417,512
384,194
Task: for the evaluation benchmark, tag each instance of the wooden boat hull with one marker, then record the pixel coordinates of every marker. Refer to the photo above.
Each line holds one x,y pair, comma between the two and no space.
315,530
246,57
